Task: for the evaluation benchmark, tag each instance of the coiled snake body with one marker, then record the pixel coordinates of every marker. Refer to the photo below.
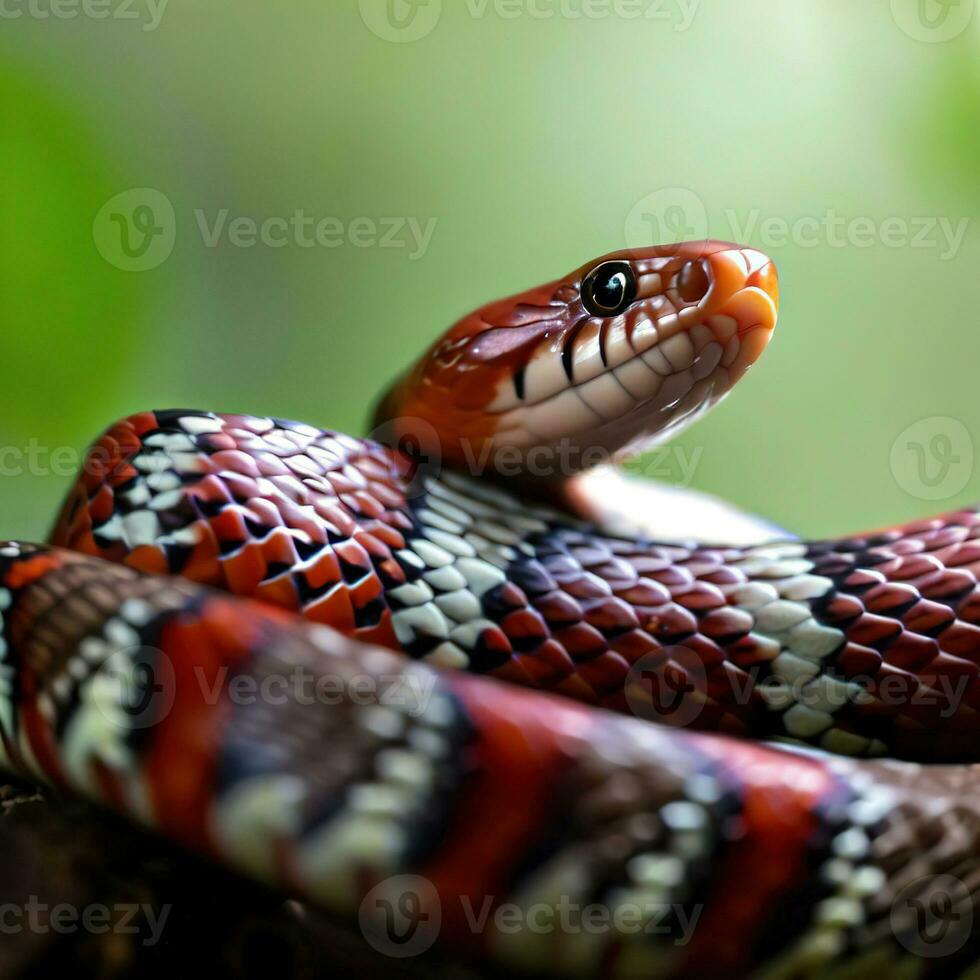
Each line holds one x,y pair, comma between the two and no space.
307,755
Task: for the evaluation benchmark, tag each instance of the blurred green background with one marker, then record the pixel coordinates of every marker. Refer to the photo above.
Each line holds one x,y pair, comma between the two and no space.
533,141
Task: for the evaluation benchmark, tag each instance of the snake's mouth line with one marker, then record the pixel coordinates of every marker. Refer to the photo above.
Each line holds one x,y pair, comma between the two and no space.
638,362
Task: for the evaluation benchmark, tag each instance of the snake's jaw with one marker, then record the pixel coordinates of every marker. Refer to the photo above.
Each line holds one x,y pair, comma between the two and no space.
545,374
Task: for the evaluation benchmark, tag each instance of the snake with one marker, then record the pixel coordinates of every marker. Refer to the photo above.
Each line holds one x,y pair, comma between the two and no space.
464,684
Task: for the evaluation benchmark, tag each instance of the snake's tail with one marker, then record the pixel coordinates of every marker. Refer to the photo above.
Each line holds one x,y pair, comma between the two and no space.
441,807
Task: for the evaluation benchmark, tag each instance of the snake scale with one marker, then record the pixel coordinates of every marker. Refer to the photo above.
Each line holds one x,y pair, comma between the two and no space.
214,643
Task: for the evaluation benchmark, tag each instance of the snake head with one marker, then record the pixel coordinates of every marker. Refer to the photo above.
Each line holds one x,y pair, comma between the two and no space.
624,351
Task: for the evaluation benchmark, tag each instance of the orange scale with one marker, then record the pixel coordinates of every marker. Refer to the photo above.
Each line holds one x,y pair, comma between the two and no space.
382,634
333,609
289,486
386,495
575,687
279,591
352,552
299,520
957,552
236,461
366,590
961,639
149,558
353,503
376,548
244,570
581,641
340,483
369,507
211,488
605,674
218,442
279,548
516,671
392,572
387,535
269,464
203,565
548,663
952,585
140,423
708,653
401,521
610,614
969,608
946,666
322,570
873,631
636,644
524,625
229,525
303,466
338,517
240,487
701,597
265,512
101,505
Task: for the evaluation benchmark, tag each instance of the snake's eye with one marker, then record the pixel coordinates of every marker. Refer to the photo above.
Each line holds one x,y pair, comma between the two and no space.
609,288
